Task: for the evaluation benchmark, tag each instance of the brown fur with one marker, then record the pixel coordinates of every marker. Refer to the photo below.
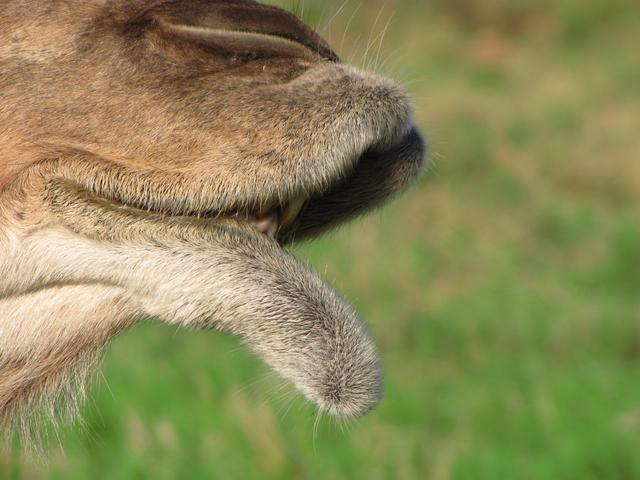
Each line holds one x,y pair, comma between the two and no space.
131,133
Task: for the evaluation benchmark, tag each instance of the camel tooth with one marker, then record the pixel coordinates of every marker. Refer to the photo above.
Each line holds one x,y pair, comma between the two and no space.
292,210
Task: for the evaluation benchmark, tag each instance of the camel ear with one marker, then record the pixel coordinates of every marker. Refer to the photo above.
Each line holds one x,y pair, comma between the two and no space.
240,25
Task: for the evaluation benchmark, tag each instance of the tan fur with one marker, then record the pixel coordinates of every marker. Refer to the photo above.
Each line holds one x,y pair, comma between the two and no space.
132,133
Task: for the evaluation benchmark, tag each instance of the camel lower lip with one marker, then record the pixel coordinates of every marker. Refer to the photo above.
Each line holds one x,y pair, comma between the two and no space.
237,280
272,286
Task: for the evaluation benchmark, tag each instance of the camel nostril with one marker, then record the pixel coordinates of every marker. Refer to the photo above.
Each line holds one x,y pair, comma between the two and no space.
244,44
244,17
322,50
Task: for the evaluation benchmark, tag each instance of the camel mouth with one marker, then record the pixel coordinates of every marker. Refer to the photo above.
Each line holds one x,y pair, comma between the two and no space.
380,173
335,362
304,215
269,221
366,179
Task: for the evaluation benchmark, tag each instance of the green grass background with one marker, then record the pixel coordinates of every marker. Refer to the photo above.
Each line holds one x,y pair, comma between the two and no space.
503,291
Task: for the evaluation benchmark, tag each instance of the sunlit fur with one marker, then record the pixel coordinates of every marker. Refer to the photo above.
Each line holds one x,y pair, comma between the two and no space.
130,131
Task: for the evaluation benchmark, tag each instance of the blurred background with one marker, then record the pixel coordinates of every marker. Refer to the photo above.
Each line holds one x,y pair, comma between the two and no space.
503,291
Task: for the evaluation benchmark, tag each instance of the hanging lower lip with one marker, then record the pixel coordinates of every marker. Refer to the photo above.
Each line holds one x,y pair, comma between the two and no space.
336,362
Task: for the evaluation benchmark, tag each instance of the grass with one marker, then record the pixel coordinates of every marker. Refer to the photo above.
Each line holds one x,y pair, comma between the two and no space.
503,291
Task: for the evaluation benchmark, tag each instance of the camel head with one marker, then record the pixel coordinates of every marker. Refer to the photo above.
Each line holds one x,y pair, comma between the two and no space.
156,159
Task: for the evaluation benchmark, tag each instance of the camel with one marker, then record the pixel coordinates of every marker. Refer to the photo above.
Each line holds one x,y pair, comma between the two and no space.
156,160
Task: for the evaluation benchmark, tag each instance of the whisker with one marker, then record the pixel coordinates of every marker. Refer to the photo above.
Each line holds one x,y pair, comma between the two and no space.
369,41
334,16
348,26
290,403
380,43
316,423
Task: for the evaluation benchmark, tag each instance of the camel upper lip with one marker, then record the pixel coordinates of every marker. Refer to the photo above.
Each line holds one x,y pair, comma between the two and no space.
285,219
277,220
